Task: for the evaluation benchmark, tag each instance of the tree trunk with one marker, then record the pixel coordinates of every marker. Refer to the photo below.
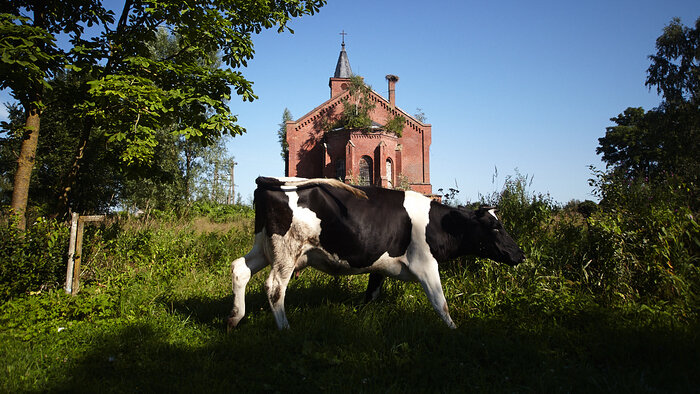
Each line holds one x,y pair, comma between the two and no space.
25,165
71,177
188,173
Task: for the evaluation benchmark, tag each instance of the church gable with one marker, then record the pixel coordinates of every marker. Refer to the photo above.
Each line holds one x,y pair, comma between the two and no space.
321,146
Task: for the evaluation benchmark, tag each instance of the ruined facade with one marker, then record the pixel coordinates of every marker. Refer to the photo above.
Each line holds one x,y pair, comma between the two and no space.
371,156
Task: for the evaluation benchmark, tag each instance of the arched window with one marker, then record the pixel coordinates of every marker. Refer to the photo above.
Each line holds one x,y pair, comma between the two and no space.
389,174
366,171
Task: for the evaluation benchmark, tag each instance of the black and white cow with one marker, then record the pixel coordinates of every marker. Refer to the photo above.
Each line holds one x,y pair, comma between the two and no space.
345,230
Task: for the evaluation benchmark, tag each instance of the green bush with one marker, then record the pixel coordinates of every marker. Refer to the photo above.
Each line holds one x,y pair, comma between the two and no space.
645,241
32,260
641,243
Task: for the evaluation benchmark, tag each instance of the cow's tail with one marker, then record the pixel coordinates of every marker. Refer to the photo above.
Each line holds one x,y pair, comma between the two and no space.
291,184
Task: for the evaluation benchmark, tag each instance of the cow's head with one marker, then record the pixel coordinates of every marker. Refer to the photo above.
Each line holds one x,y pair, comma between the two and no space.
489,239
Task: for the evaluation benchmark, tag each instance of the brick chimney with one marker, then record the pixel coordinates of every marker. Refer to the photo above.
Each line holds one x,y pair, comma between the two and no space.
392,79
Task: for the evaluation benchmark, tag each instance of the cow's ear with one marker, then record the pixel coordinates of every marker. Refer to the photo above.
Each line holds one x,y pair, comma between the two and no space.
486,208
483,210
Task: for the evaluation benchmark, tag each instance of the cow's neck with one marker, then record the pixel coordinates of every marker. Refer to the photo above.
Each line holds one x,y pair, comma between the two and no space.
445,232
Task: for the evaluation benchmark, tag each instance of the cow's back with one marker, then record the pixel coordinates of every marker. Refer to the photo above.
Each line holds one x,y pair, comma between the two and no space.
357,230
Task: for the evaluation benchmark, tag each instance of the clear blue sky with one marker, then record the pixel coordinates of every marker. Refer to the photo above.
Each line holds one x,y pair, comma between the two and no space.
508,85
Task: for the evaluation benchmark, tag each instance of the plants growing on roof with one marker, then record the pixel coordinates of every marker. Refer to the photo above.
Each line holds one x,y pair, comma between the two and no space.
357,106
395,125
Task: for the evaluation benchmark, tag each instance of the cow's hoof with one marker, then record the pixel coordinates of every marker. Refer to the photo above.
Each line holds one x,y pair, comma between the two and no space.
232,322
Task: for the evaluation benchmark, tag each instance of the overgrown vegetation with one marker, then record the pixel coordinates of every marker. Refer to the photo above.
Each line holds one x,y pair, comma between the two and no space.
33,260
395,125
641,244
606,301
356,106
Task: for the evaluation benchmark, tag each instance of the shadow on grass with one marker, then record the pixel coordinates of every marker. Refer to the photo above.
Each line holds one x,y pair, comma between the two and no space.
334,347
212,312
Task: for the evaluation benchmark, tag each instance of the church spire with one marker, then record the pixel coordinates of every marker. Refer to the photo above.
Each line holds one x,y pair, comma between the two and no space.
342,68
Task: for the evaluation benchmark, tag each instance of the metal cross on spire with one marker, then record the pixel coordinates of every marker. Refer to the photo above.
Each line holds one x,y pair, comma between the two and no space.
343,34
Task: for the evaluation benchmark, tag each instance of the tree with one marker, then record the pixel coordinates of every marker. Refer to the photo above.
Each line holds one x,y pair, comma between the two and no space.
665,139
131,95
629,145
166,180
102,175
420,115
9,150
210,176
675,68
357,106
282,133
30,57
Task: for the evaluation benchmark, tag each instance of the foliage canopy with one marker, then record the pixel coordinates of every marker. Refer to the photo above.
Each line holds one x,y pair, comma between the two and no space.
666,139
128,93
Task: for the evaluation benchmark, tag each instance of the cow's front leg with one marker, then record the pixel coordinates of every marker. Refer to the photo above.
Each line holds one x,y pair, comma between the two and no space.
241,270
276,287
374,286
427,274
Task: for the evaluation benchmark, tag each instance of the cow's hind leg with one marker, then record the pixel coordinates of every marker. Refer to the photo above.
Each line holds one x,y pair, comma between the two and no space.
242,269
374,286
276,287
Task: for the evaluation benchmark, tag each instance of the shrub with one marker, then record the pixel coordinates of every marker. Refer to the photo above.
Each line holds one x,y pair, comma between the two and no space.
641,242
645,241
32,260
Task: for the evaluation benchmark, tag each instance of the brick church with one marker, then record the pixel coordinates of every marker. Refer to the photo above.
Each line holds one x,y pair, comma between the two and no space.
369,156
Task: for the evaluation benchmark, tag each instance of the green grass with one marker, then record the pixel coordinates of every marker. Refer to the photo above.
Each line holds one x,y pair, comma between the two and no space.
153,320
173,338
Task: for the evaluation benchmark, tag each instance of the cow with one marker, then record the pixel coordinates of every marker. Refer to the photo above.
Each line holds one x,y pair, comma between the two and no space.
346,230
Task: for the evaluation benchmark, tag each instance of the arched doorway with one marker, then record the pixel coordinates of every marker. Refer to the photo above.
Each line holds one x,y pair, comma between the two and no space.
366,173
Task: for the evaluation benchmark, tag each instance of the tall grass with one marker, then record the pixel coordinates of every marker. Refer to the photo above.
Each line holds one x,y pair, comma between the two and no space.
641,244
596,307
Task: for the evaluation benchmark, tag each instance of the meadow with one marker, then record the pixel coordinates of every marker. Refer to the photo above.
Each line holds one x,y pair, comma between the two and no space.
595,308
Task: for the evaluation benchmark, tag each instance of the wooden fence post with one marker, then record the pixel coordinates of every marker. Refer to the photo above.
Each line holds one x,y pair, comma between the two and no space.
77,257
71,252
75,250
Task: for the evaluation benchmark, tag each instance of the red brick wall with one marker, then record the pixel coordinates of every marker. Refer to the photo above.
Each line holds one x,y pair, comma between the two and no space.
410,153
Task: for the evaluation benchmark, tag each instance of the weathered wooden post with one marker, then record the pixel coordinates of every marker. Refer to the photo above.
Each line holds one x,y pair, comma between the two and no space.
75,250
71,252
231,197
